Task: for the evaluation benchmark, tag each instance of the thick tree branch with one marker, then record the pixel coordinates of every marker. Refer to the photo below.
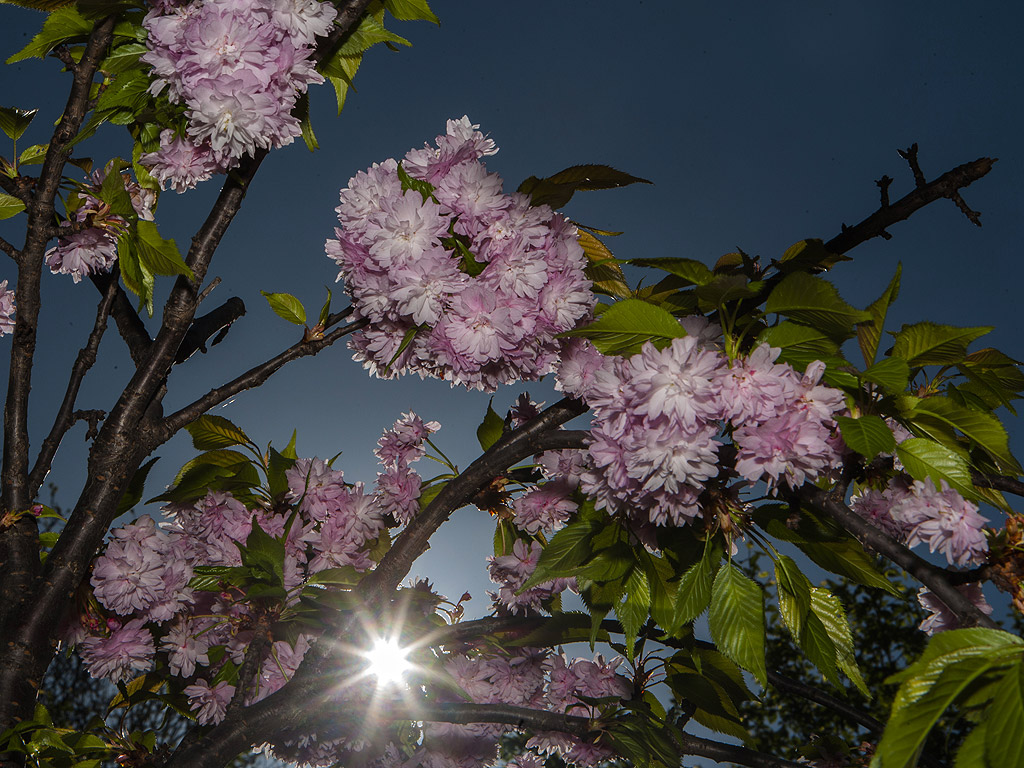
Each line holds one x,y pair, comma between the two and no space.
932,576
65,414
948,185
22,659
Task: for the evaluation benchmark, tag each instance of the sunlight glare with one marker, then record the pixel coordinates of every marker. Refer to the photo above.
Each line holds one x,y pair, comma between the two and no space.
388,662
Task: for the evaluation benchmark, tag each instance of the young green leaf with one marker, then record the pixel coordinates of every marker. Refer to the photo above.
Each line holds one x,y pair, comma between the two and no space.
10,206
566,551
159,255
693,595
891,374
923,458
411,10
829,610
287,307
210,432
870,333
490,429
14,122
868,435
691,271
627,325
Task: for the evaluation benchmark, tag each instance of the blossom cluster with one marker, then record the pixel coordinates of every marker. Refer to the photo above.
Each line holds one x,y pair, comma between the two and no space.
512,571
89,243
919,513
660,416
150,604
238,67
7,309
459,280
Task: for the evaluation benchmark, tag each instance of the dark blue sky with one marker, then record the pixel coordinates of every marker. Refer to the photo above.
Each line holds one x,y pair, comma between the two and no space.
760,123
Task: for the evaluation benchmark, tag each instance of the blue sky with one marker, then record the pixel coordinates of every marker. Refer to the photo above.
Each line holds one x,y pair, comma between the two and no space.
760,124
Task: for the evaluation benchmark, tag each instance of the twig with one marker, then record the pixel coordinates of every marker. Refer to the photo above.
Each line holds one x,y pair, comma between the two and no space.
129,324
874,225
931,576
206,291
254,377
883,187
910,155
10,250
65,414
999,483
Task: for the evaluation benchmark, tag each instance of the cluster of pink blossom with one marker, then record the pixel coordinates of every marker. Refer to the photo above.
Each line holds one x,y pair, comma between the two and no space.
90,245
920,513
7,309
941,617
660,414
398,487
143,579
460,280
238,67
513,570
529,677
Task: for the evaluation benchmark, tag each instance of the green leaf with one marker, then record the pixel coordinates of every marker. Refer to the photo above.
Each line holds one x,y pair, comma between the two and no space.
1004,732
610,564
627,325
829,610
870,333
325,311
33,155
736,620
566,551
491,428
848,558
370,32
219,458
340,70
691,271
287,307
725,288
868,435
693,595
980,427
924,458
933,344
137,277
62,26
262,552
557,190
301,111
411,10
10,206
794,595
633,611
602,268
158,255
815,302
891,374
14,122
426,190
215,432
808,256
802,339
133,493
815,642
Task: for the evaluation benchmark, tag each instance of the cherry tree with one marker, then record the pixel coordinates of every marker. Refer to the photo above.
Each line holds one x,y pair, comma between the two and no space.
269,600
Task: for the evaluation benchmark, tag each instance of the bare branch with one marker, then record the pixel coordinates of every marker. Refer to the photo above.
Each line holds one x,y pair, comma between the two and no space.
10,250
65,414
254,377
129,324
947,185
999,483
910,155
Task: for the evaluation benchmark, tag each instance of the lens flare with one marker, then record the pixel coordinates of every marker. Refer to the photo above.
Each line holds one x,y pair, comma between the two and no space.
388,662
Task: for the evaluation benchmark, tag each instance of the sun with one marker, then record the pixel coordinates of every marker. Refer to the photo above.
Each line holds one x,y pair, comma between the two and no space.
388,662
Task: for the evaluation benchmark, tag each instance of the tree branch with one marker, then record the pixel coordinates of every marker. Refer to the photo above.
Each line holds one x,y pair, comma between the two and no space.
129,324
931,576
23,660
10,250
947,185
254,377
999,483
65,414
